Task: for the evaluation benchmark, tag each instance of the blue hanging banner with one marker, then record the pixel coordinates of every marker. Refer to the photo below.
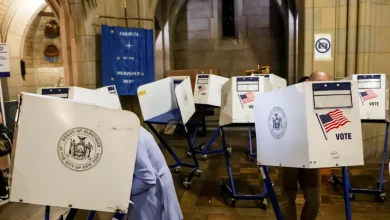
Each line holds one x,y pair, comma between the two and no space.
127,58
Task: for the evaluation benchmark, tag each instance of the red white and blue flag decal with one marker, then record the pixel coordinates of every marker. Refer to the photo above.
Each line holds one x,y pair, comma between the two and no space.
368,95
333,120
247,98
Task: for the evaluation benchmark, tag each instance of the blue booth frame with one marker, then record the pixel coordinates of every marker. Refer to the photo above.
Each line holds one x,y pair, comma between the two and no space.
174,117
378,192
267,183
203,149
232,189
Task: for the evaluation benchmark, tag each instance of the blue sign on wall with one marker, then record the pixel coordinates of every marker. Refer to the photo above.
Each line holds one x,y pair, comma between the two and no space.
127,58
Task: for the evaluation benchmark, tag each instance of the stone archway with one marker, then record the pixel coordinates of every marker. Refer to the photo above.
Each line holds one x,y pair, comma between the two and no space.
20,15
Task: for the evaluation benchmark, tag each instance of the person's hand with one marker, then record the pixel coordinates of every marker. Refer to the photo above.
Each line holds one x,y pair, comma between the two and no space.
1,119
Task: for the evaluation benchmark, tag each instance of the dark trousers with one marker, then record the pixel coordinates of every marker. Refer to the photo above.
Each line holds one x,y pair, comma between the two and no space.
310,183
3,185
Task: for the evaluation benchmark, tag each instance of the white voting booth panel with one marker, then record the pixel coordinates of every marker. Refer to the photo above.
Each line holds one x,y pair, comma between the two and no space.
208,89
309,125
237,100
68,153
104,97
275,81
166,99
373,90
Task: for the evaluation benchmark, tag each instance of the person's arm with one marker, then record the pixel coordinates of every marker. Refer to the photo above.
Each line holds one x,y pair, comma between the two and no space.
144,175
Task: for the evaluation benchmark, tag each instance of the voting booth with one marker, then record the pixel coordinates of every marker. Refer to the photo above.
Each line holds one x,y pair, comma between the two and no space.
373,90
275,81
170,101
238,96
373,93
208,89
167,99
237,109
68,152
105,97
309,125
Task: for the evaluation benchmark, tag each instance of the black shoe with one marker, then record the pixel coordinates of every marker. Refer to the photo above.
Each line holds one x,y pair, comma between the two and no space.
4,199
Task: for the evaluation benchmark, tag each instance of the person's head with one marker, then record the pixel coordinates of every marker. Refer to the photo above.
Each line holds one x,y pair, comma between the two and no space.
303,79
319,76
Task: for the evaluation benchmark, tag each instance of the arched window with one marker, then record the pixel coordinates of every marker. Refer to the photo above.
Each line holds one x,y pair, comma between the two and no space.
228,19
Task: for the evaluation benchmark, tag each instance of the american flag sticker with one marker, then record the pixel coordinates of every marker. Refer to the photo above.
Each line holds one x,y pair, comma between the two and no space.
332,120
368,95
201,88
247,98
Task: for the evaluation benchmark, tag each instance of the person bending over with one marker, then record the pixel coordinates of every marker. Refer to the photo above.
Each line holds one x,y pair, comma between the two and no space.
153,192
309,181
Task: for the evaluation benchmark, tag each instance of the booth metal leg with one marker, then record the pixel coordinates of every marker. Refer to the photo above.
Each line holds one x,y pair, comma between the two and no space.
47,212
378,192
188,180
232,188
205,150
91,215
118,216
71,214
270,189
176,167
346,194
249,153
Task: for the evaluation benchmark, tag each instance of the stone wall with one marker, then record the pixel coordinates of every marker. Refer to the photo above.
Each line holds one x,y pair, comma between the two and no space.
39,72
360,31
199,43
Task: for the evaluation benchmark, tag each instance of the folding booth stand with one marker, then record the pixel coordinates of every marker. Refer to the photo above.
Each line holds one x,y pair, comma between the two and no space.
310,125
207,95
373,91
276,82
170,101
76,172
238,96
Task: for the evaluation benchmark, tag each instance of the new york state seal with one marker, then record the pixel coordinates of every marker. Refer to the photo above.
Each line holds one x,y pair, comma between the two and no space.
80,149
277,122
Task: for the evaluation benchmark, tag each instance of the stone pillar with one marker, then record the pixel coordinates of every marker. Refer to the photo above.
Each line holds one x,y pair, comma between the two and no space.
360,34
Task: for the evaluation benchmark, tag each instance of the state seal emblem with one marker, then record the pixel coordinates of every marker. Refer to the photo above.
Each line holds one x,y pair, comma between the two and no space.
277,122
185,97
80,149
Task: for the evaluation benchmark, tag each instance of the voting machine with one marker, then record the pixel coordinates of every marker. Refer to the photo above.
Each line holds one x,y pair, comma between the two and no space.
238,96
208,89
309,125
65,156
373,90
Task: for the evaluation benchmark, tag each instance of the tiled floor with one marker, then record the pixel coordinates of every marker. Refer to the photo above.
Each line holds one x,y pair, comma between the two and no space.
202,201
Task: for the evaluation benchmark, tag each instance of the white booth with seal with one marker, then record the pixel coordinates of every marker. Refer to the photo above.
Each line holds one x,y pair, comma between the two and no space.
237,110
169,101
64,155
373,93
310,125
207,97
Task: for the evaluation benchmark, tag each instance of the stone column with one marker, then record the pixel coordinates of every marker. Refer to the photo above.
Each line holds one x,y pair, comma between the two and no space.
360,34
